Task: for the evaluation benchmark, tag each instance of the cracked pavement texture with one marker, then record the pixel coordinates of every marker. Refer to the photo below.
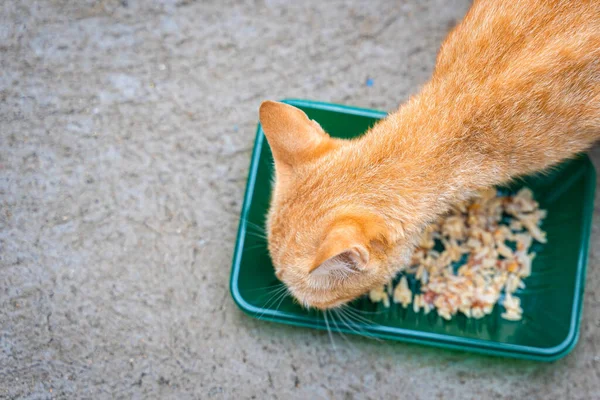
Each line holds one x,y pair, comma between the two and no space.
126,129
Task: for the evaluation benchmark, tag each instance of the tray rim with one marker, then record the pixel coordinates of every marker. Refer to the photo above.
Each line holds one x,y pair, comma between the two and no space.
405,334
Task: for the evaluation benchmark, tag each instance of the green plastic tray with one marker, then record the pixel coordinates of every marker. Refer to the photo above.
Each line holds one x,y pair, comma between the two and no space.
552,301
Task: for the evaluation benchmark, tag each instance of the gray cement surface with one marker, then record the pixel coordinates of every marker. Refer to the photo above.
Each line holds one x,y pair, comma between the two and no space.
125,135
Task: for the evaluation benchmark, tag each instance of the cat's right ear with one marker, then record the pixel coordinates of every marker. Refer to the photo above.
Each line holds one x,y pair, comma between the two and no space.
293,137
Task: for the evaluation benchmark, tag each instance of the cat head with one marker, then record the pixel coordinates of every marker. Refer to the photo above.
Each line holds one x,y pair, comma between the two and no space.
330,235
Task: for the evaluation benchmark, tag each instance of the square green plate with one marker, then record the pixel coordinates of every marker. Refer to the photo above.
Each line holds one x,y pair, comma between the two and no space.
552,300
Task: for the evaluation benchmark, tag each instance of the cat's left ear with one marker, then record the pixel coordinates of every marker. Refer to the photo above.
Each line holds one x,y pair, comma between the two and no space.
344,251
292,136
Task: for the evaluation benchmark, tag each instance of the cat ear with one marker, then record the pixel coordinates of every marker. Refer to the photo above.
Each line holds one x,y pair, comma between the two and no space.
343,252
293,137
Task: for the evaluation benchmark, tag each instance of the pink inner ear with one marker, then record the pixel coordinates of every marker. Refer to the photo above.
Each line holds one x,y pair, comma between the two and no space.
361,254
344,264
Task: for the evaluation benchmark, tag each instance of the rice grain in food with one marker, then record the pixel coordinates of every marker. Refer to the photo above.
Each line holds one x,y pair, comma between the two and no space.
473,258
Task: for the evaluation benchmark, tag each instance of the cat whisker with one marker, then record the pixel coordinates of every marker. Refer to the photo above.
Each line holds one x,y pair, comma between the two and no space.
278,293
287,292
271,302
355,320
333,318
258,235
253,225
329,332
365,312
238,216
352,312
351,325
270,287
255,247
257,228
274,296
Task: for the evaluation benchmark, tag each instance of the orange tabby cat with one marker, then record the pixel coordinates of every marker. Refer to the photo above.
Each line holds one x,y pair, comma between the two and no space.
516,89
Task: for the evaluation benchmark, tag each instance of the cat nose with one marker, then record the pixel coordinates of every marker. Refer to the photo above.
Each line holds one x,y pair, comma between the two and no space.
279,274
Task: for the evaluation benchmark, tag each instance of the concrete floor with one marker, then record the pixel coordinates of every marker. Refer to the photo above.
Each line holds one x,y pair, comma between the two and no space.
125,135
